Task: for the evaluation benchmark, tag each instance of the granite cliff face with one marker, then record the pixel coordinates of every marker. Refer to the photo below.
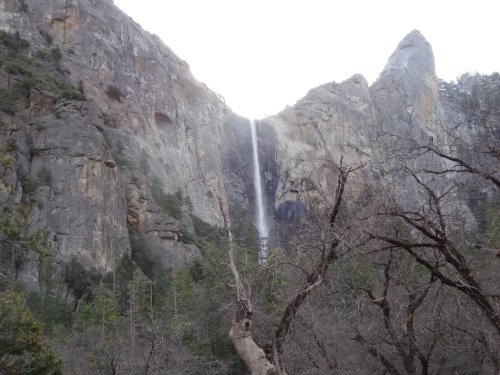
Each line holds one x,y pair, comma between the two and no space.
151,149
360,122
147,130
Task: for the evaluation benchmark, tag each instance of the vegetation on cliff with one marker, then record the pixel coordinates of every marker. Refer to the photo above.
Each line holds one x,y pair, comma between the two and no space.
391,270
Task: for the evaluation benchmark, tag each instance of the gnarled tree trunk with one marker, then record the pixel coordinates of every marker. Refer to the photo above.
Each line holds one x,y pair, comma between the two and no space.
241,327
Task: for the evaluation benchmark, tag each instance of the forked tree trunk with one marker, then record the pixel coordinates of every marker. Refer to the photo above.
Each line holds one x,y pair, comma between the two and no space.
253,356
240,333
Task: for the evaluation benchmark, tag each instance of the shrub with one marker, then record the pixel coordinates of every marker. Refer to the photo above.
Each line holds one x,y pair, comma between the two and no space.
81,88
5,123
61,89
170,204
120,158
10,145
7,161
28,184
56,55
42,55
46,35
109,120
14,42
203,229
114,93
19,66
79,279
50,309
9,102
120,279
45,176
23,349
72,94
26,85
141,254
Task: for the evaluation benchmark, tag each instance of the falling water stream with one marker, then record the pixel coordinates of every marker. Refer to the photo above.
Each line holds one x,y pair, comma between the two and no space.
261,217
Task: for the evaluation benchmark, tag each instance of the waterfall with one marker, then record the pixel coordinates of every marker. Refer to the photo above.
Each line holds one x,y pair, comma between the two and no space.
261,217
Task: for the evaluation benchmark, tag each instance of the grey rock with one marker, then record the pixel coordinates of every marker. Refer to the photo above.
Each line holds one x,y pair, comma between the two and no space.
157,122
148,122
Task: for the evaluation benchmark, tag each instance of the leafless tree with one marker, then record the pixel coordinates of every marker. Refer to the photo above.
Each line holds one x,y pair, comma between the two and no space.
256,358
426,207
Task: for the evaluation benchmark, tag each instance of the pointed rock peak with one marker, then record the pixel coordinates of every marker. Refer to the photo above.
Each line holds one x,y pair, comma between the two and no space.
412,38
357,79
413,56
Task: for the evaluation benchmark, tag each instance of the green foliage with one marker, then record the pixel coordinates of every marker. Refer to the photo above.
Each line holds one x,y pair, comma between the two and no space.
196,270
358,274
183,285
114,93
79,279
13,224
51,309
272,283
81,88
109,120
49,305
161,289
206,231
140,253
7,161
15,240
59,88
44,176
208,291
46,35
56,55
41,55
103,310
243,228
120,279
13,42
139,288
22,347
10,101
6,124
28,184
183,307
191,238
18,65
214,270
170,204
10,145
15,61
72,94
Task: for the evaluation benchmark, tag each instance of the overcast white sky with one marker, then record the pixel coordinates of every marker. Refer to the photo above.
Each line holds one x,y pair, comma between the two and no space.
262,55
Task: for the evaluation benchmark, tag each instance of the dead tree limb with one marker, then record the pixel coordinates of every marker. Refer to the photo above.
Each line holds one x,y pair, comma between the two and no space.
241,327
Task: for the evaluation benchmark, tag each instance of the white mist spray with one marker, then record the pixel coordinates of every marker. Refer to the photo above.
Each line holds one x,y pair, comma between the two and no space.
261,217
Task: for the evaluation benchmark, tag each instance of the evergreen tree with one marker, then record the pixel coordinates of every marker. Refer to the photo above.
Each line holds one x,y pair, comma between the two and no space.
22,347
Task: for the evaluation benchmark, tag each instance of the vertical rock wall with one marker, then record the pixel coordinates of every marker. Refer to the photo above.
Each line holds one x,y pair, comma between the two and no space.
108,168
